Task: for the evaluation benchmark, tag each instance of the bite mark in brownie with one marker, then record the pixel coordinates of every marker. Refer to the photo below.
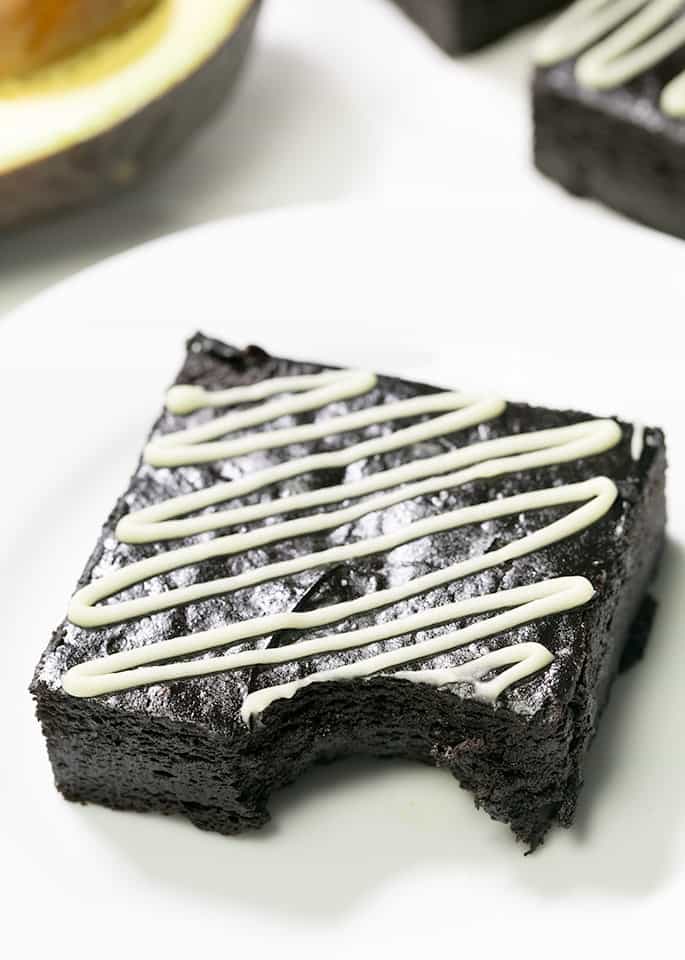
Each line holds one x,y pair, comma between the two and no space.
183,746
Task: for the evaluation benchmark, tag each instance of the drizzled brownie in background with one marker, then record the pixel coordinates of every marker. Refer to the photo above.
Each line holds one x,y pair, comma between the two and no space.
609,107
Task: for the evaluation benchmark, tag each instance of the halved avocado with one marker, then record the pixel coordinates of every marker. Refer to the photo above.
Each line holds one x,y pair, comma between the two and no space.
85,125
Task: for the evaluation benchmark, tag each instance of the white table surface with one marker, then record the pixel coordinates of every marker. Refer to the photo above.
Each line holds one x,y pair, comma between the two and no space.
341,99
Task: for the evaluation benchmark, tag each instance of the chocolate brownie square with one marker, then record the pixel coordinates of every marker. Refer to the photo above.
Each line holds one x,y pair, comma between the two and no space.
609,109
310,563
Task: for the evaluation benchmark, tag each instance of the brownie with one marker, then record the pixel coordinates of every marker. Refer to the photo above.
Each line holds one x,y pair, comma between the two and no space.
186,746
462,25
622,143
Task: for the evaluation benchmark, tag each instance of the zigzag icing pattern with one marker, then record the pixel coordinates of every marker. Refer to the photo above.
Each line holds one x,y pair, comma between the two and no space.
616,41
180,517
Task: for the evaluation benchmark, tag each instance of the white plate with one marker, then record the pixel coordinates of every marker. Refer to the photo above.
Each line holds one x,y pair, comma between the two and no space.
566,310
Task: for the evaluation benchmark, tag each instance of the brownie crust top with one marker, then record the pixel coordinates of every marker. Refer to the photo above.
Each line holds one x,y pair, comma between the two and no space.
484,499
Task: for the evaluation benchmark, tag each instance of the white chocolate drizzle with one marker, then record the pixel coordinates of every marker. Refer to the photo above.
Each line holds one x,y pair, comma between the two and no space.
637,441
616,41
179,517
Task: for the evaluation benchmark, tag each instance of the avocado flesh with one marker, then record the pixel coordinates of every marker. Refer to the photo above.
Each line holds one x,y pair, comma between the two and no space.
98,120
36,32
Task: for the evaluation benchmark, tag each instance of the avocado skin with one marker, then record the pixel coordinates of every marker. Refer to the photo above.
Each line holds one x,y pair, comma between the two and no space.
120,156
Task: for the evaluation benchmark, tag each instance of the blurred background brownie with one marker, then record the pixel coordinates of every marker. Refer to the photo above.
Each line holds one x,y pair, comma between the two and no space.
609,108
462,25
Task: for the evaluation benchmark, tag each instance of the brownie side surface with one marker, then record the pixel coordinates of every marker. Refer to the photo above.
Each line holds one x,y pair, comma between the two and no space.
459,26
182,748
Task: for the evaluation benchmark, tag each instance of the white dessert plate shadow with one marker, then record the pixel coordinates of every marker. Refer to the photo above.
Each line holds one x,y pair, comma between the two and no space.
566,309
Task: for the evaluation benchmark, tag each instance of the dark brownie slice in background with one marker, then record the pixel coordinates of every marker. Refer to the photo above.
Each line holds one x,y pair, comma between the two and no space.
462,25
620,143
182,747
